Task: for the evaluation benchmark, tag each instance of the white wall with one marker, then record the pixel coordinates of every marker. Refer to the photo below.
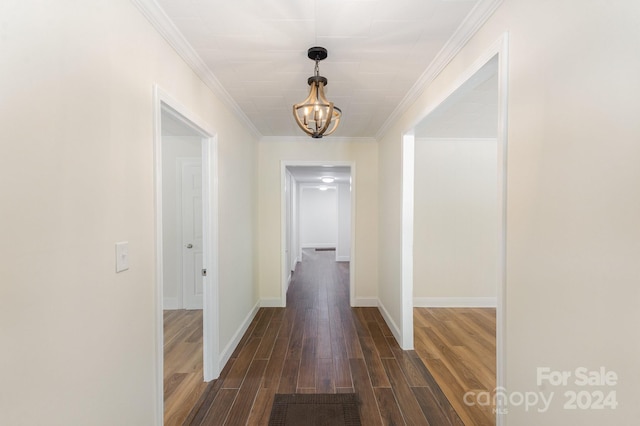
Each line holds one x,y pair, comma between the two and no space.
572,198
365,157
295,224
289,219
76,166
173,148
318,217
455,222
343,249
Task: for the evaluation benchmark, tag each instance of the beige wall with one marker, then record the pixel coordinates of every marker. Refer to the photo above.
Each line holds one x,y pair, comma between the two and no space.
455,248
77,176
365,157
390,215
76,164
573,200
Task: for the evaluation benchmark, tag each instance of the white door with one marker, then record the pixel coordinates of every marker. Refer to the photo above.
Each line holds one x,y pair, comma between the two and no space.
192,280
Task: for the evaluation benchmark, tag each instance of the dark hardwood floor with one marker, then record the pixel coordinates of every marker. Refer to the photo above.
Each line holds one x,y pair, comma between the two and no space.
318,344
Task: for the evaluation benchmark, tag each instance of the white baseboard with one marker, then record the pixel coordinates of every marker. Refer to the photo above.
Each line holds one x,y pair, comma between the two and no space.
392,325
364,302
455,302
170,303
318,245
231,346
343,258
272,302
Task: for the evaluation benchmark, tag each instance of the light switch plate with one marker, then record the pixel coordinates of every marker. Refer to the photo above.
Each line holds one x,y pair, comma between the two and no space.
122,256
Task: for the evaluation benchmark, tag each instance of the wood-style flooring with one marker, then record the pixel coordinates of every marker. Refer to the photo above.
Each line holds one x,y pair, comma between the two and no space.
458,346
183,378
318,344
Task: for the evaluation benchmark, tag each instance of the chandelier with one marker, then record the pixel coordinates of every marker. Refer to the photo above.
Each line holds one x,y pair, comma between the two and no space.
316,116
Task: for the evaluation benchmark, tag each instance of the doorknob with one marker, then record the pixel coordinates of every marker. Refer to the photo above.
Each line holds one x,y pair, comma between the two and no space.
189,245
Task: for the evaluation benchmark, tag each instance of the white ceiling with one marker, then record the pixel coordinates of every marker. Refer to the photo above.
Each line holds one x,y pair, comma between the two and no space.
171,126
257,50
471,111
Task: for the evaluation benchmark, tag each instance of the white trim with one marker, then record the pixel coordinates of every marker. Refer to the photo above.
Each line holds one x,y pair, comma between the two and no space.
303,139
226,353
339,233
318,245
455,302
365,302
285,270
499,48
163,102
408,165
211,299
502,49
171,303
352,254
168,30
472,23
389,320
159,293
309,185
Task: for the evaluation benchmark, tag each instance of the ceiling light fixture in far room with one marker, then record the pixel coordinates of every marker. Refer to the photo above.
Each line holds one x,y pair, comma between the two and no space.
323,188
327,179
316,116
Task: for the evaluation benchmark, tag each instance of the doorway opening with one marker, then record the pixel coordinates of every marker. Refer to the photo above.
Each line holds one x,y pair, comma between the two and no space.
454,230
185,151
318,210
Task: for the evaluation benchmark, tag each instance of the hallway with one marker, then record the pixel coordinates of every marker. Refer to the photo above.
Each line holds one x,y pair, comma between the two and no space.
318,344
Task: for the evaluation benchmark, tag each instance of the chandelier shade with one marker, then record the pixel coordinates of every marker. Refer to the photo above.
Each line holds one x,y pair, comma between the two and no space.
316,115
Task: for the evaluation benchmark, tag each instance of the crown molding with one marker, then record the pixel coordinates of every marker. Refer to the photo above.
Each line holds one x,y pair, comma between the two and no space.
167,29
307,139
472,23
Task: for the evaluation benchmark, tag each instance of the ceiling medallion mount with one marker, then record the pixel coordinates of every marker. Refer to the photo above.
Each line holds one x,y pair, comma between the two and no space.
316,116
317,53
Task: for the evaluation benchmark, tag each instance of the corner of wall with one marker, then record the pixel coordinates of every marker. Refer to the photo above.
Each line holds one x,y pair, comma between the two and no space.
392,325
226,353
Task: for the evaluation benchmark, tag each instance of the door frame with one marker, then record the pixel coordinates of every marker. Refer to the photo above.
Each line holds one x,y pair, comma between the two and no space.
499,49
284,268
289,248
162,101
